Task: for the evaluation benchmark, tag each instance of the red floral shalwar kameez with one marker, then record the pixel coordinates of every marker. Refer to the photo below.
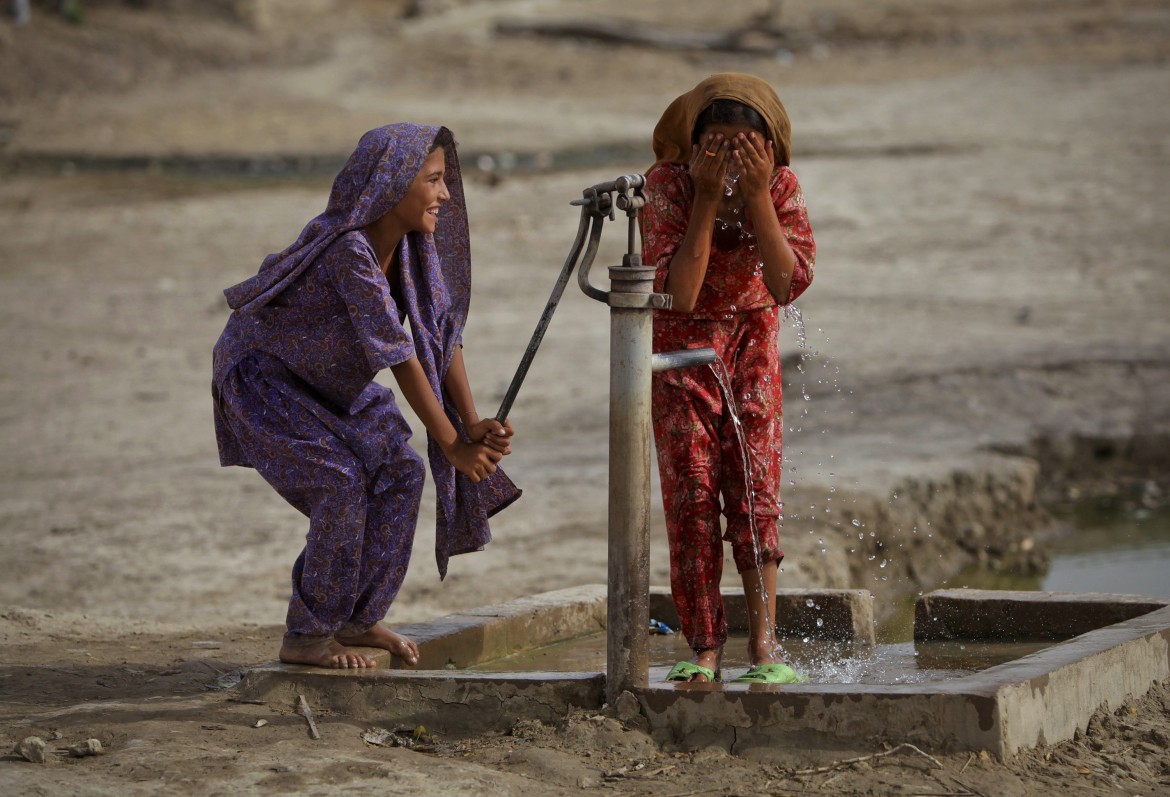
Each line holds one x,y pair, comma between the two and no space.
699,458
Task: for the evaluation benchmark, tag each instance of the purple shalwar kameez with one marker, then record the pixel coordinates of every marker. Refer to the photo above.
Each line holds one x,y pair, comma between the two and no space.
295,396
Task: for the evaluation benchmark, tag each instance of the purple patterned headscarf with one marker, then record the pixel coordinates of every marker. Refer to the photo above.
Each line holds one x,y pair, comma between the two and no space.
436,288
374,179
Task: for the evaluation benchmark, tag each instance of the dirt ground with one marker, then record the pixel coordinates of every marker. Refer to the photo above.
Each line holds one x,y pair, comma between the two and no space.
987,182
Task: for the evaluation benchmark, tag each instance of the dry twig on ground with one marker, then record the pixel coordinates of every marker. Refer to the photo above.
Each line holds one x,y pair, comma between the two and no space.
307,713
859,759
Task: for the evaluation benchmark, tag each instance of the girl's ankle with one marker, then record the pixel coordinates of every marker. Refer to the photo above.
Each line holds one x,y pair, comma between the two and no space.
708,657
765,654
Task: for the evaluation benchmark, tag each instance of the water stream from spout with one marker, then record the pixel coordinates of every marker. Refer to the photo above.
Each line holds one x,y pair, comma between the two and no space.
723,378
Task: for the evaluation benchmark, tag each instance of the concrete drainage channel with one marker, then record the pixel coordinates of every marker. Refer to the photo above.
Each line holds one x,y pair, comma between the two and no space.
1104,648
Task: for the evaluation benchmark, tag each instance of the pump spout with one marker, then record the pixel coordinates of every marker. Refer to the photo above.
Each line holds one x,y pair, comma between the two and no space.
686,358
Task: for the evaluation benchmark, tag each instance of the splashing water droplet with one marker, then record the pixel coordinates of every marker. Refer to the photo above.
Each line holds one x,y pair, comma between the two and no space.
793,314
729,181
809,603
856,522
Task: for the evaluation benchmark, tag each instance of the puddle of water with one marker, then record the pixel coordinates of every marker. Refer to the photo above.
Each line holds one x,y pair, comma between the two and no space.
823,662
904,662
1126,552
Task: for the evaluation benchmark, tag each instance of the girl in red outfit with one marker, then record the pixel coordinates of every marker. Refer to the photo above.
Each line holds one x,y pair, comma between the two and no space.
727,230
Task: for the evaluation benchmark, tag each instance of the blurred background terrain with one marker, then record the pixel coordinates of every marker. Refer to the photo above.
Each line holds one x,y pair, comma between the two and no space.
985,338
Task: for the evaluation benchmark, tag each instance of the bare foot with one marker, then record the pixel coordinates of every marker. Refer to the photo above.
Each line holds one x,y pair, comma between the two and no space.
325,653
382,637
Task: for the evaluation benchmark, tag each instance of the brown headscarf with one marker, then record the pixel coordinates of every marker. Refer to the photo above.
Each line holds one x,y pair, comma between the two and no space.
672,134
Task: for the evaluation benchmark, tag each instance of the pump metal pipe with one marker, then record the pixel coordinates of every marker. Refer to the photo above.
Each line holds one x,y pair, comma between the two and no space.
631,301
686,358
628,610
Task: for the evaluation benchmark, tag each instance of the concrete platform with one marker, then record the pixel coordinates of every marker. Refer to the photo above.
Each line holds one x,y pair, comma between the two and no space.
1115,647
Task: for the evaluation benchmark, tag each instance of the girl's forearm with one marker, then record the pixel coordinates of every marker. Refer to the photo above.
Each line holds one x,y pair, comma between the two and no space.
777,257
459,389
688,268
416,388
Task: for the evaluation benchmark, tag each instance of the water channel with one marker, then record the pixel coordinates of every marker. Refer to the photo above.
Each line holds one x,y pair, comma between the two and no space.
1109,549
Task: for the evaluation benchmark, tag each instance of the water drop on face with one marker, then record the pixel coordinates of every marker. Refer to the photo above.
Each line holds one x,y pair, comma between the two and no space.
820,623
809,603
856,522
883,563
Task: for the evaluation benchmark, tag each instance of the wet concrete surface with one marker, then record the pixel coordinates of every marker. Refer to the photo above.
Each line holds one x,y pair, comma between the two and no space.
1041,697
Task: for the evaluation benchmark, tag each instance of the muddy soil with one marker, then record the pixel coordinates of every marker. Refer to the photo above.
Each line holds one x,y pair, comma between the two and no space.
986,331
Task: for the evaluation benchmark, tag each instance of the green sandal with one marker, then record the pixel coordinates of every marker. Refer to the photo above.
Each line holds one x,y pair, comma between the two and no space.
772,674
686,670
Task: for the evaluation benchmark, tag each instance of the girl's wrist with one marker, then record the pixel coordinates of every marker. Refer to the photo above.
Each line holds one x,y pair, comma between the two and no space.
758,203
447,441
708,198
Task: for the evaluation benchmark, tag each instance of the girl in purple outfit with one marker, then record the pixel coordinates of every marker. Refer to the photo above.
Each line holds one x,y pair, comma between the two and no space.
295,396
